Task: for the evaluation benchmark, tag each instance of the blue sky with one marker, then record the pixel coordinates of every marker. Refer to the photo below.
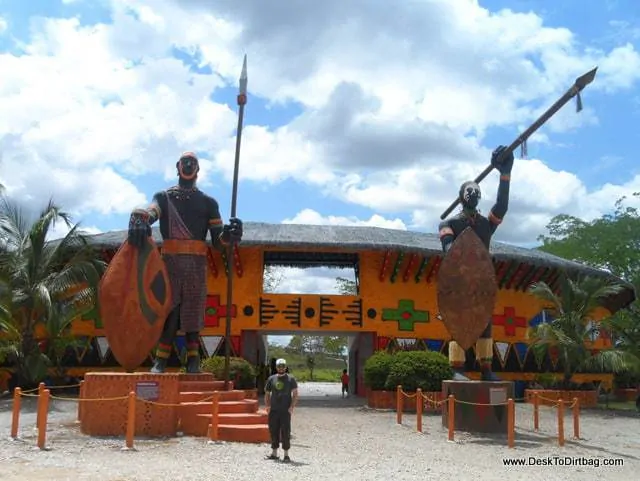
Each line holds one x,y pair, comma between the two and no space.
355,116
369,120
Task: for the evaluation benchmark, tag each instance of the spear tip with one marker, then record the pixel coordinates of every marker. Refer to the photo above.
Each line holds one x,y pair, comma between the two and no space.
585,79
243,76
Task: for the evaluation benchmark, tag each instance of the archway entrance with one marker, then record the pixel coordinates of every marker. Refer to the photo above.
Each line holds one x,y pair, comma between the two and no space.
316,358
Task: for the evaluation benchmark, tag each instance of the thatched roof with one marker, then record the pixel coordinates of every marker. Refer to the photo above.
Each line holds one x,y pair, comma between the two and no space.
302,236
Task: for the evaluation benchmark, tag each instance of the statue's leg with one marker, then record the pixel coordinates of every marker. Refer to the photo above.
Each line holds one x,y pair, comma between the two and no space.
484,354
163,351
193,352
456,360
193,307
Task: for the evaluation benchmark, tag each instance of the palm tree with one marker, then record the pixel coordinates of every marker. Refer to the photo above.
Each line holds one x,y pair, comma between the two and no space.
40,277
570,330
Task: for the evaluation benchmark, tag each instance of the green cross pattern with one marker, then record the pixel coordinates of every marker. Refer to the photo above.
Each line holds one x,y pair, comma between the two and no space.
405,314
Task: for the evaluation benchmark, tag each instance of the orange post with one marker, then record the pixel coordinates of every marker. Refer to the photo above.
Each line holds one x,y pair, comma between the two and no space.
43,412
213,428
15,415
131,420
419,404
451,412
576,418
80,401
399,404
536,411
511,421
40,391
560,422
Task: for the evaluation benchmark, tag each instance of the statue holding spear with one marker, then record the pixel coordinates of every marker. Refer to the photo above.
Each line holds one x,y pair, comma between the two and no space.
467,287
174,297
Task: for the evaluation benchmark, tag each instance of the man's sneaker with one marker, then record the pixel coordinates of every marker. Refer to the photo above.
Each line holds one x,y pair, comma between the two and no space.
286,459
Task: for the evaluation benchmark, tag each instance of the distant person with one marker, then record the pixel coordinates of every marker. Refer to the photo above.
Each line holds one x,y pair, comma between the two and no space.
272,365
280,399
345,383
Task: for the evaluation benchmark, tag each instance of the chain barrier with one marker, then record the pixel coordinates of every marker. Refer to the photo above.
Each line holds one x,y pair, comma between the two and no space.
559,404
44,396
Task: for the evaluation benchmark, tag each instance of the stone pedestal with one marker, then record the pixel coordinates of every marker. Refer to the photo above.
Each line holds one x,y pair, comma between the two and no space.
487,411
101,415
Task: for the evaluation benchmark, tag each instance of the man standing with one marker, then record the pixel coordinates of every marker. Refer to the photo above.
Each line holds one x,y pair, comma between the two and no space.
186,215
280,399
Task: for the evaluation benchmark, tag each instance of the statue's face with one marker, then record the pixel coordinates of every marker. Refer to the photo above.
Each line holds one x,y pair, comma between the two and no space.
188,166
470,195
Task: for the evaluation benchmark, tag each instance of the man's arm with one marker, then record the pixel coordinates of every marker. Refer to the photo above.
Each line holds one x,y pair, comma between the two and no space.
267,394
294,393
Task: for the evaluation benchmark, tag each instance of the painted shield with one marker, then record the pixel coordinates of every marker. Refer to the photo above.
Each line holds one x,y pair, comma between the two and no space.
467,288
135,299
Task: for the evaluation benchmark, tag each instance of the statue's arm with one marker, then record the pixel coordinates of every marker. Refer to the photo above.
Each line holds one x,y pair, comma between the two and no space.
216,225
504,166
152,212
445,231
499,209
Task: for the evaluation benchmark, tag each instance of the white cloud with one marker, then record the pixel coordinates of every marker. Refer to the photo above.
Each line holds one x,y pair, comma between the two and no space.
3,25
310,216
394,107
80,122
60,229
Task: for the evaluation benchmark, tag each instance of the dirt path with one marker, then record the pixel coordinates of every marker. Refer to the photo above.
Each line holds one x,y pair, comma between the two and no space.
333,439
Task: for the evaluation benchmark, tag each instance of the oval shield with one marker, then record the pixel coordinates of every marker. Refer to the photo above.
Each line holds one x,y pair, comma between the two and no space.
467,289
134,299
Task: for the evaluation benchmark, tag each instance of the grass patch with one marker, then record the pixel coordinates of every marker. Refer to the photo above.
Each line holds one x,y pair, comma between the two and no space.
617,406
319,375
326,368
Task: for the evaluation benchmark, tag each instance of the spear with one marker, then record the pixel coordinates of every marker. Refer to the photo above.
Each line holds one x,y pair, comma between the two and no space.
577,87
242,100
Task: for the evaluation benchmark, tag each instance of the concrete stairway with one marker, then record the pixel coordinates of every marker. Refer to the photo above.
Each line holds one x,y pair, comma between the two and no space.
239,418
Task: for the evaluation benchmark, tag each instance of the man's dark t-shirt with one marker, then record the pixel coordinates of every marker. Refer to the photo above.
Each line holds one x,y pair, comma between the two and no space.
280,388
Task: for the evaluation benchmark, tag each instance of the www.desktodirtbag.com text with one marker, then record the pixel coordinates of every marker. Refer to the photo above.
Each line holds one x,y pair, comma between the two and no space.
563,461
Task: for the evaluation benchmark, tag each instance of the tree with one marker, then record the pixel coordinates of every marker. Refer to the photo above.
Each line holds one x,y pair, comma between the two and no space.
42,279
611,242
346,287
570,330
311,363
296,344
272,278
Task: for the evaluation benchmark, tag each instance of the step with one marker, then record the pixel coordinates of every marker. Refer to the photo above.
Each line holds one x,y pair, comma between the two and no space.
244,433
202,376
189,411
198,396
261,417
244,406
199,424
195,386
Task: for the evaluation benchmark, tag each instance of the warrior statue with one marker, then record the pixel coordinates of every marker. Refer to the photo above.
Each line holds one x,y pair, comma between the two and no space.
186,214
484,227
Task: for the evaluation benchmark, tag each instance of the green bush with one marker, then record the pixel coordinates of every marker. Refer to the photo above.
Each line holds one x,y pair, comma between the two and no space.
411,369
627,380
376,370
241,372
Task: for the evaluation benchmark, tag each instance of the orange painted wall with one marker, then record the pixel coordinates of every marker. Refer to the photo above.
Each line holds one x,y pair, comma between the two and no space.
281,312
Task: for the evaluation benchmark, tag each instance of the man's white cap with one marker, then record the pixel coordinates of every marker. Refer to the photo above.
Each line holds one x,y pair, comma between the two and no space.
281,361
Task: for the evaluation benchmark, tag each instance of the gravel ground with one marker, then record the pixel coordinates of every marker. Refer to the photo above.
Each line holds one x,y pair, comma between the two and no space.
333,439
